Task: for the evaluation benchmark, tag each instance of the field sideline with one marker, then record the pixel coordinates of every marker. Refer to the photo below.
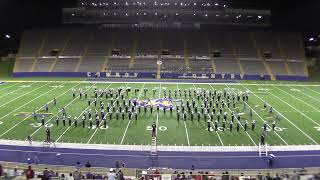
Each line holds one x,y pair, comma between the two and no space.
296,103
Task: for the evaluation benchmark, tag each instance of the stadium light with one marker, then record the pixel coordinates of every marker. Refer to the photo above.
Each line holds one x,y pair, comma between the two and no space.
311,39
7,36
259,17
216,4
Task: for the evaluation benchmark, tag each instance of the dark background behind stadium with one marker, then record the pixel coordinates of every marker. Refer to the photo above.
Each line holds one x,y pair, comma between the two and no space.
17,15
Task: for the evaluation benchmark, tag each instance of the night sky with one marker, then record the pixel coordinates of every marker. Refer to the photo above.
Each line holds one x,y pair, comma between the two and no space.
17,15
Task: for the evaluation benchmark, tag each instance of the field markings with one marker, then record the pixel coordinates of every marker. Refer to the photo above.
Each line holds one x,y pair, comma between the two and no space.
212,123
36,110
22,106
96,130
49,120
240,123
157,122
306,94
261,118
23,95
312,90
12,92
18,96
298,99
14,84
79,115
125,132
185,124
296,108
286,117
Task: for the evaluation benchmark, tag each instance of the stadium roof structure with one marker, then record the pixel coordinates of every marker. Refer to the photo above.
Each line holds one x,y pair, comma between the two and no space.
164,13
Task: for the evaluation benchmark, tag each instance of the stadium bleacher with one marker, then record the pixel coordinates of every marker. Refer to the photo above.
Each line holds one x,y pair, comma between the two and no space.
91,64
65,65
43,64
88,49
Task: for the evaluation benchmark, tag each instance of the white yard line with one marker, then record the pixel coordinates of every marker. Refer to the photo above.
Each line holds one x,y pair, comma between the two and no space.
30,115
240,124
40,109
306,94
285,117
303,114
185,125
49,120
312,90
212,123
78,116
10,86
24,95
101,121
125,132
27,103
261,119
297,99
13,92
157,122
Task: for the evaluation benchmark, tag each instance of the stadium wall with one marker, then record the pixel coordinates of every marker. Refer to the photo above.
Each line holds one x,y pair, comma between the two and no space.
153,75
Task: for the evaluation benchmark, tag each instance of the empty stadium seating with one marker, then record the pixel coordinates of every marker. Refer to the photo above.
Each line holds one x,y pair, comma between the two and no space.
91,50
56,39
92,64
65,65
277,67
31,43
43,64
296,67
24,64
253,67
77,43
227,66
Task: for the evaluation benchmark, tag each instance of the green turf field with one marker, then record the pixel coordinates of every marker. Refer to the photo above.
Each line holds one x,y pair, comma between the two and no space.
298,106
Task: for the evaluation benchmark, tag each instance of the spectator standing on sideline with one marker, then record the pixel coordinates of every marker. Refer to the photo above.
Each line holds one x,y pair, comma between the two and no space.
29,173
1,170
78,165
88,164
77,175
112,175
70,177
117,164
120,175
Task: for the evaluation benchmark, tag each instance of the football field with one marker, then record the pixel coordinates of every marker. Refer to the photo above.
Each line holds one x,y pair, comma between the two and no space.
297,107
